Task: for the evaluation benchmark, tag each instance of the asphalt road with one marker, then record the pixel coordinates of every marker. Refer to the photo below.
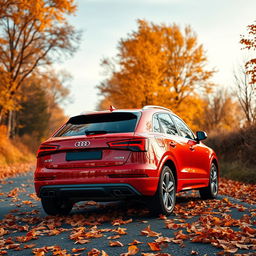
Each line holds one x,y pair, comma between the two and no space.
22,206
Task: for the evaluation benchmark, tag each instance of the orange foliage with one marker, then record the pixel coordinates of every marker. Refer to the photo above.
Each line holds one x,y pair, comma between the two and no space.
158,65
250,43
12,153
30,31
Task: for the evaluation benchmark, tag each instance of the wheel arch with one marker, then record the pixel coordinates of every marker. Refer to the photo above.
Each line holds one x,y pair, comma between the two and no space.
173,168
170,162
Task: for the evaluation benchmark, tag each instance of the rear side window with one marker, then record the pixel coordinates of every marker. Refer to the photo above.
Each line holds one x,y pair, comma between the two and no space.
100,124
167,124
156,125
184,130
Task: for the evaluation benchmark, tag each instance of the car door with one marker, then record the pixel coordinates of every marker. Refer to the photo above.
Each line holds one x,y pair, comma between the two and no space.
196,155
173,143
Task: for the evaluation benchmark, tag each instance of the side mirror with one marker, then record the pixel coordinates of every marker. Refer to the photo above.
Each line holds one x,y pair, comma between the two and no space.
200,135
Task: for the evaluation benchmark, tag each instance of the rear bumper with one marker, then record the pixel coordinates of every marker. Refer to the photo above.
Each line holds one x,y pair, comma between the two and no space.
143,180
96,192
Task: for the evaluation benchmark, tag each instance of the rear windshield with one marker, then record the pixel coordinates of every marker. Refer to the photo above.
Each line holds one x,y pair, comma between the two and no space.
100,124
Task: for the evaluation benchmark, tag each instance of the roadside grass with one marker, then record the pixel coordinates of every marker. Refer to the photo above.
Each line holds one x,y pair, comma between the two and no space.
237,153
238,171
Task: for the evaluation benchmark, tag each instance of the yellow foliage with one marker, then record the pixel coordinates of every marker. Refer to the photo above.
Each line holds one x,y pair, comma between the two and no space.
12,151
29,31
158,65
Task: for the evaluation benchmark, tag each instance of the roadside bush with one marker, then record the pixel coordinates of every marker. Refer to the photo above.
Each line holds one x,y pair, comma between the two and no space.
237,153
12,151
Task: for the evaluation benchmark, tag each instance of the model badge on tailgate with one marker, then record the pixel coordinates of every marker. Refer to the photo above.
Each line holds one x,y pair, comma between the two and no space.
82,143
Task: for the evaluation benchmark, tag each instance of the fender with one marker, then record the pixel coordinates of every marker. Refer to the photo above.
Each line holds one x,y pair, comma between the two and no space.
163,160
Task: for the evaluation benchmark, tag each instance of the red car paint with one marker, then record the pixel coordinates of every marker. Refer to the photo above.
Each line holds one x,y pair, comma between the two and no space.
191,159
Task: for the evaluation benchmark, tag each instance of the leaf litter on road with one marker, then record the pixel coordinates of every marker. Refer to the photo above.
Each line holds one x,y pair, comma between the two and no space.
193,221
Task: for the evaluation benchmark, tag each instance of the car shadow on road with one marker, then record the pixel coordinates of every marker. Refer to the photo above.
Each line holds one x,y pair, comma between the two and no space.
136,209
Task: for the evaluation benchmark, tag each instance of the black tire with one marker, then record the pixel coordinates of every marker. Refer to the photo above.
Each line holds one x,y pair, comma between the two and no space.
163,201
211,191
53,206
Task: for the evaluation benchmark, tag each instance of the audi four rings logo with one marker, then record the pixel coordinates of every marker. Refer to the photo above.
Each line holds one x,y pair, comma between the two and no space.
82,143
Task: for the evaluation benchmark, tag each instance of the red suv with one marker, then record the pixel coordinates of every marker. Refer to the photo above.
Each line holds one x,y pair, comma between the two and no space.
122,154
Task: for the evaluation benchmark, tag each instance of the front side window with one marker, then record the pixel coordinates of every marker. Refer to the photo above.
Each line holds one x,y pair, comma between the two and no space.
167,124
100,124
184,130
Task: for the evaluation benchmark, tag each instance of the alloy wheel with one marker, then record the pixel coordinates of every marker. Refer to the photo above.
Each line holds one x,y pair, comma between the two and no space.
168,191
214,180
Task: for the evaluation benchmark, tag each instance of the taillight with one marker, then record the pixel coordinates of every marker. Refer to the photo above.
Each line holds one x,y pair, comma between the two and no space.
131,144
46,149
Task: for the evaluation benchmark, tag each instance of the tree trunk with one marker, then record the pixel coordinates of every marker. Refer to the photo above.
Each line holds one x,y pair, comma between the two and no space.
9,124
1,115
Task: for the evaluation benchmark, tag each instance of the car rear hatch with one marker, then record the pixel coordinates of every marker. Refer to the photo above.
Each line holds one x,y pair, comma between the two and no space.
94,140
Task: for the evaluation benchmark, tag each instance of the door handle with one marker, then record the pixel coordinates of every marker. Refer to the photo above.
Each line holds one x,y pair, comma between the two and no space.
173,144
192,148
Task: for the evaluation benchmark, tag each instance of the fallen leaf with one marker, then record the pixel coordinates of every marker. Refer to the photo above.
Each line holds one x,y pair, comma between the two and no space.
115,243
78,249
154,246
148,232
135,242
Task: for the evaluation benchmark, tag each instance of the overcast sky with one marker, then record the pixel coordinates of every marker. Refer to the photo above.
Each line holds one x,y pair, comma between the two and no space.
218,24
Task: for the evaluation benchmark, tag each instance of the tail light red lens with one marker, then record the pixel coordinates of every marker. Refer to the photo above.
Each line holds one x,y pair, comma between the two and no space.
46,149
130,144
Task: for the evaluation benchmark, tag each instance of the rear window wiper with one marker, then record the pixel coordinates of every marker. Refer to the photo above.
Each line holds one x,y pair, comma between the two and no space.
95,132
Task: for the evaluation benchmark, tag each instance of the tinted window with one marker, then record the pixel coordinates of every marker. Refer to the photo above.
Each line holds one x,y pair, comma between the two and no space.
167,124
156,126
99,124
184,130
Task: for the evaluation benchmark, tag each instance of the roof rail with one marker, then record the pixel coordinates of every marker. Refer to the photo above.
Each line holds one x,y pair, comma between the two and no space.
153,106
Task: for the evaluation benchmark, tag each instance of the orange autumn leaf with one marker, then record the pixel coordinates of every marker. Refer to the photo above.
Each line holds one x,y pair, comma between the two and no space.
78,249
114,237
28,246
94,252
162,217
135,242
27,202
162,239
154,246
82,241
132,250
180,235
115,244
119,222
103,253
3,231
120,231
148,232
40,253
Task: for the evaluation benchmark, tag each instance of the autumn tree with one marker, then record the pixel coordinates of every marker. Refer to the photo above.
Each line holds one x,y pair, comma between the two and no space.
249,43
157,64
33,34
246,94
221,112
41,111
